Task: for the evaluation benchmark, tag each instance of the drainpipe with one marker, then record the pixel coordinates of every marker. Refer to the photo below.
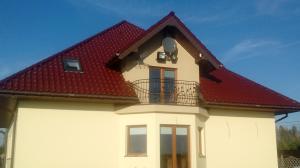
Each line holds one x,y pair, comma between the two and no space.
2,155
279,119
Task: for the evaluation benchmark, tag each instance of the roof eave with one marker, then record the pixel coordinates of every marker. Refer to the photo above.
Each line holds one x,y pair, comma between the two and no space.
272,108
170,20
70,97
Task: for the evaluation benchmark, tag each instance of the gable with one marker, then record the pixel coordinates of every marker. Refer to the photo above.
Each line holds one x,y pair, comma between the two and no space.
136,66
168,21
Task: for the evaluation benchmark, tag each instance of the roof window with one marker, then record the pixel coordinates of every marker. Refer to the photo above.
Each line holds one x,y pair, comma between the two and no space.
72,65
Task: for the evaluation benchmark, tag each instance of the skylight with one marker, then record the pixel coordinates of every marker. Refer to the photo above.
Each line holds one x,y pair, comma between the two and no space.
72,65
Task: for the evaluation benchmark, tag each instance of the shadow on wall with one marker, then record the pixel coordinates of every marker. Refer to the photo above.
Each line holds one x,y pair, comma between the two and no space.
74,106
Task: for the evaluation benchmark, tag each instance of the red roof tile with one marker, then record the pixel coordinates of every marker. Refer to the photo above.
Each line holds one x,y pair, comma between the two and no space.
93,53
221,86
170,19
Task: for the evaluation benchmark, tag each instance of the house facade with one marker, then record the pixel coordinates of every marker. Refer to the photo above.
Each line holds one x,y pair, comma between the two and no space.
134,98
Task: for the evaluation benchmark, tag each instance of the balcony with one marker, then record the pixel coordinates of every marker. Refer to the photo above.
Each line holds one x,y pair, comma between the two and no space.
176,92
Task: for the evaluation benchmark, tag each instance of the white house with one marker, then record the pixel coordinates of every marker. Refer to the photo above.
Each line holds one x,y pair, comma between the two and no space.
134,98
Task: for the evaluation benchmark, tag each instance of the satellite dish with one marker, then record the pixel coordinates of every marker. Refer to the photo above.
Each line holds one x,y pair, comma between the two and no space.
169,45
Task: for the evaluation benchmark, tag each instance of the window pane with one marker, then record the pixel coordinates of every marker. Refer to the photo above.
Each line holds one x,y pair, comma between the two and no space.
169,74
182,147
169,88
137,140
154,85
166,147
72,65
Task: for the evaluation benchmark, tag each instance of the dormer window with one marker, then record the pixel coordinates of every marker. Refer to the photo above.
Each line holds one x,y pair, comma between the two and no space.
72,65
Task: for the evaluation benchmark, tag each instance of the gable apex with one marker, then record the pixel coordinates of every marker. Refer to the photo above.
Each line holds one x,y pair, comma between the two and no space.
173,21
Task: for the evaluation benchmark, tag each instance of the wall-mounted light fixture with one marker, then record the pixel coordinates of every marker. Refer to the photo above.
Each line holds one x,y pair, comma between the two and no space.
161,56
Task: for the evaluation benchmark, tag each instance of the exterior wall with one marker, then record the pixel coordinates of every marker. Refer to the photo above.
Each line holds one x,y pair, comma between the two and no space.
187,69
147,161
60,135
200,142
9,145
153,122
236,139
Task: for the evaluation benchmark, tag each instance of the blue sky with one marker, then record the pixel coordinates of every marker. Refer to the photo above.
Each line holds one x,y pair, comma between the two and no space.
259,39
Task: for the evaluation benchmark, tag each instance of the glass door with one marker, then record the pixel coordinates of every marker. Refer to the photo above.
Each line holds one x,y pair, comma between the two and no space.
174,146
155,85
169,86
162,85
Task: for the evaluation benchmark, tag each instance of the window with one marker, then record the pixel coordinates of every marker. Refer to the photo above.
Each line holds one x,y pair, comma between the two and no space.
162,85
201,144
72,65
136,140
174,146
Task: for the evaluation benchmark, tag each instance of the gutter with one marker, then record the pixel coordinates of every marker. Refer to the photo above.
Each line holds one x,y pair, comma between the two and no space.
276,109
83,97
279,119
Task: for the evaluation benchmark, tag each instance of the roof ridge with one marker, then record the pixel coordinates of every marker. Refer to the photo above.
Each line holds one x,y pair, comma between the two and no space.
64,50
262,86
147,30
126,21
170,15
198,40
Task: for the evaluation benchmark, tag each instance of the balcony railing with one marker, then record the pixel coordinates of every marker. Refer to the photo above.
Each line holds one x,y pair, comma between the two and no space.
157,91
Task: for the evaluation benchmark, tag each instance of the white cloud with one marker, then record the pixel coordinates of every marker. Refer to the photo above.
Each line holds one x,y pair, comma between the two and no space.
9,69
136,8
272,7
133,9
5,71
249,48
202,19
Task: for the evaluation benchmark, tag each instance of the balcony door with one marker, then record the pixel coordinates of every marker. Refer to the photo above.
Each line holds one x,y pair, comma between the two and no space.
174,147
162,85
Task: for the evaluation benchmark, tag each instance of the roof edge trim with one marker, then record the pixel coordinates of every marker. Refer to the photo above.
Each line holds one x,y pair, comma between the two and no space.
173,20
65,50
66,95
280,109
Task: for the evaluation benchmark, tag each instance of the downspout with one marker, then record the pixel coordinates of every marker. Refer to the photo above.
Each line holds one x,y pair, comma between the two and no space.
279,119
3,155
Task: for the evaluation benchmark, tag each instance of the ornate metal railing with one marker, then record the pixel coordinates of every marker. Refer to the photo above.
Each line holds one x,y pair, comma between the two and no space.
156,91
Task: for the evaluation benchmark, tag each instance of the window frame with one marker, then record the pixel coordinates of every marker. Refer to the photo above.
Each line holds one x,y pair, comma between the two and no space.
174,147
131,154
65,60
162,78
201,142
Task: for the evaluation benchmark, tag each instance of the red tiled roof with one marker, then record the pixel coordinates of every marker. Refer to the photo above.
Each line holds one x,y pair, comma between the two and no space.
93,53
48,76
223,86
170,19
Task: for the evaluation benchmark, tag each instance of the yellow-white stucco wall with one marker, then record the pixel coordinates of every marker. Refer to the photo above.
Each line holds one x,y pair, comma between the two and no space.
153,122
9,144
187,69
240,139
66,135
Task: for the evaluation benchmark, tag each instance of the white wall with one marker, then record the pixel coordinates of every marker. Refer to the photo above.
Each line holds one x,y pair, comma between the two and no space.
66,135
240,139
61,135
187,69
9,145
153,122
